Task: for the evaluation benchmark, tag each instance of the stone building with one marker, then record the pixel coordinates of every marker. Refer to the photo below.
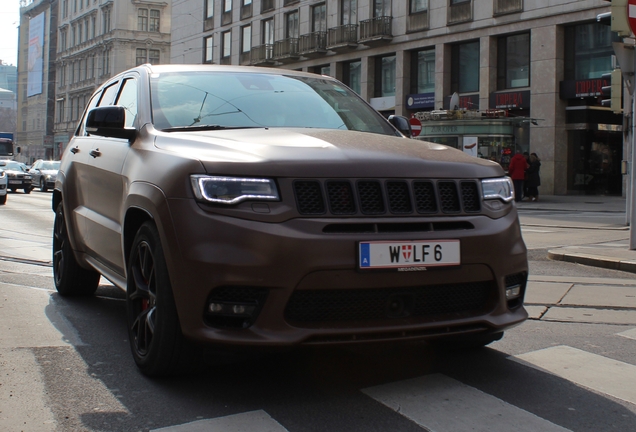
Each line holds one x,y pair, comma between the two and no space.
527,73
97,39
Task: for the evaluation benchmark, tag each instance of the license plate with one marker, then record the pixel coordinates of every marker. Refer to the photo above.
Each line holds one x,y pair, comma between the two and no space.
15,181
391,254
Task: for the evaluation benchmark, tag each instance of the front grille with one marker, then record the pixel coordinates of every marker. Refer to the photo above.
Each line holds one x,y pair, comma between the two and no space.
321,306
381,197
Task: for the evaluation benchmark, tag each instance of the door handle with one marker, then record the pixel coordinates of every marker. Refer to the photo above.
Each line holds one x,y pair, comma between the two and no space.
95,153
75,149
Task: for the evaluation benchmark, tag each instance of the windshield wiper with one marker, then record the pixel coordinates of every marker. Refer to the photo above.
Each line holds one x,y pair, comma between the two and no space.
204,128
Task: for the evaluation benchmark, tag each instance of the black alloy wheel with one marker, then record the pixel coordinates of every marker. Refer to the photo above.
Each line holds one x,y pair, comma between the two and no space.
156,340
70,278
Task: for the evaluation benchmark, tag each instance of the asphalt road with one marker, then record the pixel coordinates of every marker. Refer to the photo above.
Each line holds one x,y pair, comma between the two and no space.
65,364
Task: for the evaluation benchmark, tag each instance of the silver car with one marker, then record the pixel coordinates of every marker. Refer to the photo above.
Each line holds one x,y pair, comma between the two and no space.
44,173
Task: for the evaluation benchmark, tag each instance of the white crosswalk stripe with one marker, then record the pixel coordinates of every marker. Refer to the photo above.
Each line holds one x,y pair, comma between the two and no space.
595,372
253,421
631,334
439,403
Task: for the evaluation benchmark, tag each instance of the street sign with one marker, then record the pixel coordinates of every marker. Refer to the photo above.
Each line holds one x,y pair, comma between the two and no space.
631,14
416,126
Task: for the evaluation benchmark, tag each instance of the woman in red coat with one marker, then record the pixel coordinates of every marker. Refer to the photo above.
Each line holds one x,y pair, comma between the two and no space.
517,172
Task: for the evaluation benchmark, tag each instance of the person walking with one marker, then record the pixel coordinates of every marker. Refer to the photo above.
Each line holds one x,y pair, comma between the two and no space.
517,172
534,179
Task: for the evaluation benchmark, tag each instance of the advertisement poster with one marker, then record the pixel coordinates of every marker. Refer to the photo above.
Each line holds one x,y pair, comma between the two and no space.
35,61
470,145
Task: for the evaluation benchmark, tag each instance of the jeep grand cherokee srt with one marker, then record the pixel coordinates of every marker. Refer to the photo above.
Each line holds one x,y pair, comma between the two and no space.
261,207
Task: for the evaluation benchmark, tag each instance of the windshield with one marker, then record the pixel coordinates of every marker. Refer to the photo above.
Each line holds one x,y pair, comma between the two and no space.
52,165
6,148
242,100
11,166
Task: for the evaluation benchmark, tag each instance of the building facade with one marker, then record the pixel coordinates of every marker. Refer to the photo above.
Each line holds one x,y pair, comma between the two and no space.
527,73
97,39
36,74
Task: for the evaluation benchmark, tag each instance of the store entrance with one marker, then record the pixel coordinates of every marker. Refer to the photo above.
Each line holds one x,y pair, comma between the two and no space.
595,162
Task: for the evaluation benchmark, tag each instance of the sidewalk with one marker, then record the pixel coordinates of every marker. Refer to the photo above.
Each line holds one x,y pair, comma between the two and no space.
611,255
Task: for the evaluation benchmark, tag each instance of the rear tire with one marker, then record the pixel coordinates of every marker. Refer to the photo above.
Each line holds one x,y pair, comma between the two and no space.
156,341
70,278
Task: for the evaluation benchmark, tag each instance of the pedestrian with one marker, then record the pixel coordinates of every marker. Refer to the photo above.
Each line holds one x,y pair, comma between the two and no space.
517,172
534,180
525,180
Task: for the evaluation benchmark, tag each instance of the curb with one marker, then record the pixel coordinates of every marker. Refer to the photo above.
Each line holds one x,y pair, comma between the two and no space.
594,260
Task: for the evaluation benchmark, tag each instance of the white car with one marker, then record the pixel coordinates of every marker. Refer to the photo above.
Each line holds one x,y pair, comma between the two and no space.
4,181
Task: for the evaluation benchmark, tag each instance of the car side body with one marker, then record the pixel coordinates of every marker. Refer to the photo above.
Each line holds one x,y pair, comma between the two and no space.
282,262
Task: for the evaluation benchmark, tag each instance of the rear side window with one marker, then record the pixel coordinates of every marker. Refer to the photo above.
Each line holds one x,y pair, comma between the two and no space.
128,99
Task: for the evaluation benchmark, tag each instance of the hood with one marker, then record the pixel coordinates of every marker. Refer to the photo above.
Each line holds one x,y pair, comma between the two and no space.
322,153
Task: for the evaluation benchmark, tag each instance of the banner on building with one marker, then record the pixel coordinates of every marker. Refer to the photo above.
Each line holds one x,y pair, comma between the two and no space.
35,61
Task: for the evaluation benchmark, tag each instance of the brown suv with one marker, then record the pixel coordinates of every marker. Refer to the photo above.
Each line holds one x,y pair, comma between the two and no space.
265,207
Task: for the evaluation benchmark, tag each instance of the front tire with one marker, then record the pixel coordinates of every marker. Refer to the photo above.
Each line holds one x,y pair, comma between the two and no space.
3,199
156,340
28,189
42,185
70,278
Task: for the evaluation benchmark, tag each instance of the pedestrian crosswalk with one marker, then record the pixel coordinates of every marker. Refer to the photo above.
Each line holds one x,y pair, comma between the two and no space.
436,402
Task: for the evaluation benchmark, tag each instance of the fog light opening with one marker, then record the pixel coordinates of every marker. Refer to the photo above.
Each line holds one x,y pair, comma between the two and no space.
232,309
513,292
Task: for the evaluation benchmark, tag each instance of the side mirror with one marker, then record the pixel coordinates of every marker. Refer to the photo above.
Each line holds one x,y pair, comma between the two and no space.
109,121
402,124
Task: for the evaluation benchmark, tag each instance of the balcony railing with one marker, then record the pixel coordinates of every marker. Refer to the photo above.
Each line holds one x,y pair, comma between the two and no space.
417,22
312,43
375,28
507,6
460,12
262,54
342,36
286,49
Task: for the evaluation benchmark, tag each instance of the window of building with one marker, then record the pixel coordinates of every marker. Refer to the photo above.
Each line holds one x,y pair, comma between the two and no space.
226,47
209,49
513,61
465,67
75,6
227,6
209,9
349,12
319,18
268,31
106,19
417,6
423,71
106,62
352,74
79,33
93,24
59,111
247,2
381,8
588,51
154,56
153,26
454,2
141,55
73,33
385,68
63,39
291,25
142,20
64,8
86,28
246,38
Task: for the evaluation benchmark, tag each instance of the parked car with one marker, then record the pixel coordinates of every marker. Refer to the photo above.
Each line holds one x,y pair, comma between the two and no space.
43,174
17,175
4,180
259,207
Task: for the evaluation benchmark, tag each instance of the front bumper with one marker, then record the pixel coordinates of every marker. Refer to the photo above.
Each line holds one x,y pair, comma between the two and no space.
278,263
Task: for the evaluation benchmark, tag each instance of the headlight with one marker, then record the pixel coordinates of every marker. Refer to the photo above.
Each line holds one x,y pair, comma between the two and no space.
499,188
233,190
